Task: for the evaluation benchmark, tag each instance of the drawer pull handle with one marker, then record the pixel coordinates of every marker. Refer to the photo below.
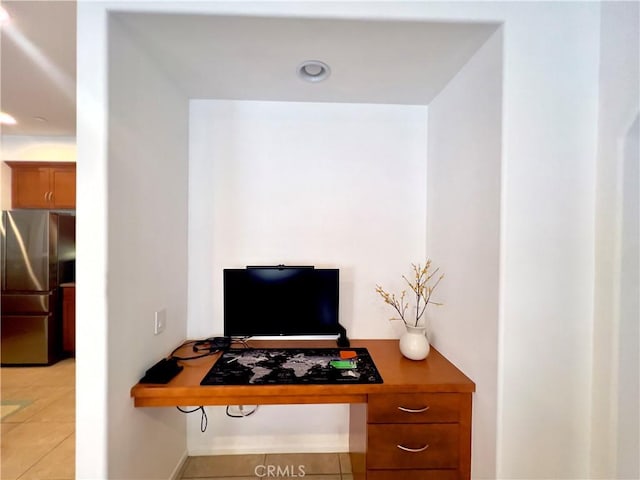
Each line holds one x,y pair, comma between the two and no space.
413,450
413,410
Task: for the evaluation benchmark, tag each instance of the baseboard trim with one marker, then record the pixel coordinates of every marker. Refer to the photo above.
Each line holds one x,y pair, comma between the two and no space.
177,471
274,444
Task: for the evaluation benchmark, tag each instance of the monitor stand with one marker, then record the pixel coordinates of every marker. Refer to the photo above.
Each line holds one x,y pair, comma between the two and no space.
342,340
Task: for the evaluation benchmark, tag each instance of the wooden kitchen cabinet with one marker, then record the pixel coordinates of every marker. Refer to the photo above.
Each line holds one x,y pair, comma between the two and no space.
46,185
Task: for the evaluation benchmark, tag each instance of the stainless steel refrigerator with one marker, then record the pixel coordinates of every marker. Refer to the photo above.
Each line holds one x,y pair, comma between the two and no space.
37,255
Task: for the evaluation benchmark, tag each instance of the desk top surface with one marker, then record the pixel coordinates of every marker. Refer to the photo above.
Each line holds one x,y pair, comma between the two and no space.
400,375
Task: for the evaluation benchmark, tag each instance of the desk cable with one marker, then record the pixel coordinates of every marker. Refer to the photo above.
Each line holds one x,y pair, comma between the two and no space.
203,419
204,348
242,413
209,346
201,348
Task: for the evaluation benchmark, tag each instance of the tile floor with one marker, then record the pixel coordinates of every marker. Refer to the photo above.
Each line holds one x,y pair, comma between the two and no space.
38,422
311,466
37,440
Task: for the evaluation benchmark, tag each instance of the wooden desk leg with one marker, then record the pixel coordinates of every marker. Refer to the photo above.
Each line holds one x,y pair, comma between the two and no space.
358,440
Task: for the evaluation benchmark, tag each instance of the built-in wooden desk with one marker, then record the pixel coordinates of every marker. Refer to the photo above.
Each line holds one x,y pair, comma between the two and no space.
417,421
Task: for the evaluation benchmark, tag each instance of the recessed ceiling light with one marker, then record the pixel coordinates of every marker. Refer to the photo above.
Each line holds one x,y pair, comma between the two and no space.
7,119
313,71
4,16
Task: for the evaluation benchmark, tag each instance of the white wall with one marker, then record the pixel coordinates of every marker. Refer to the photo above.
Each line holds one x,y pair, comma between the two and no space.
550,118
550,121
140,220
332,185
38,148
628,413
31,148
463,233
619,102
147,251
91,243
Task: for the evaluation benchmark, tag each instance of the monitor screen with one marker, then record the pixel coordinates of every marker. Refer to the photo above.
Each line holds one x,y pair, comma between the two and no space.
269,301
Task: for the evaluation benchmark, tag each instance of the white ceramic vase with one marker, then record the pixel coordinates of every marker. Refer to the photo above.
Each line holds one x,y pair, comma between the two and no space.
414,344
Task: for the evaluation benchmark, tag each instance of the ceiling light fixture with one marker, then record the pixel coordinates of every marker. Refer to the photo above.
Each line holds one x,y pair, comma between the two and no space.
6,119
313,71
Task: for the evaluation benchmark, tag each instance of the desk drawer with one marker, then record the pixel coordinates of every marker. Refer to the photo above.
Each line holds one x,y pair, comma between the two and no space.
414,408
413,475
407,446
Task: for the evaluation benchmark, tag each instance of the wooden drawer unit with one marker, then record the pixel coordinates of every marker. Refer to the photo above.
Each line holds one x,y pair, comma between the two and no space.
418,436
414,408
419,445
412,475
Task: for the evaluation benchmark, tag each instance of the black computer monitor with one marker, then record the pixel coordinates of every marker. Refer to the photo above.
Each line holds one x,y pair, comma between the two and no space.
277,301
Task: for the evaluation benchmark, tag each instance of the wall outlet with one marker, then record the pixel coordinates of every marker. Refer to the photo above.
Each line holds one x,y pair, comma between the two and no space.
160,321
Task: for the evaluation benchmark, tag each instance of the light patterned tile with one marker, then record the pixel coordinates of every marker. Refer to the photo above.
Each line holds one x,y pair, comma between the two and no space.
14,393
322,477
6,428
18,376
255,477
311,463
52,393
222,465
221,478
9,407
61,410
61,374
35,392
16,460
35,398
58,464
345,463
58,374
26,412
35,449
37,434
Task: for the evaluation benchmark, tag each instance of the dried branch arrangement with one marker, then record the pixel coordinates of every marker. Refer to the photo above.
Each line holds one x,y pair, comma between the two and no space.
421,289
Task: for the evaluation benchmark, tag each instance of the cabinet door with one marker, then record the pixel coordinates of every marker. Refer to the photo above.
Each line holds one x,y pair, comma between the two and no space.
30,187
63,186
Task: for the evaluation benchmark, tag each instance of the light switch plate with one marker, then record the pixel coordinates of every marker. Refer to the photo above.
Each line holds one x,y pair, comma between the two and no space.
160,321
